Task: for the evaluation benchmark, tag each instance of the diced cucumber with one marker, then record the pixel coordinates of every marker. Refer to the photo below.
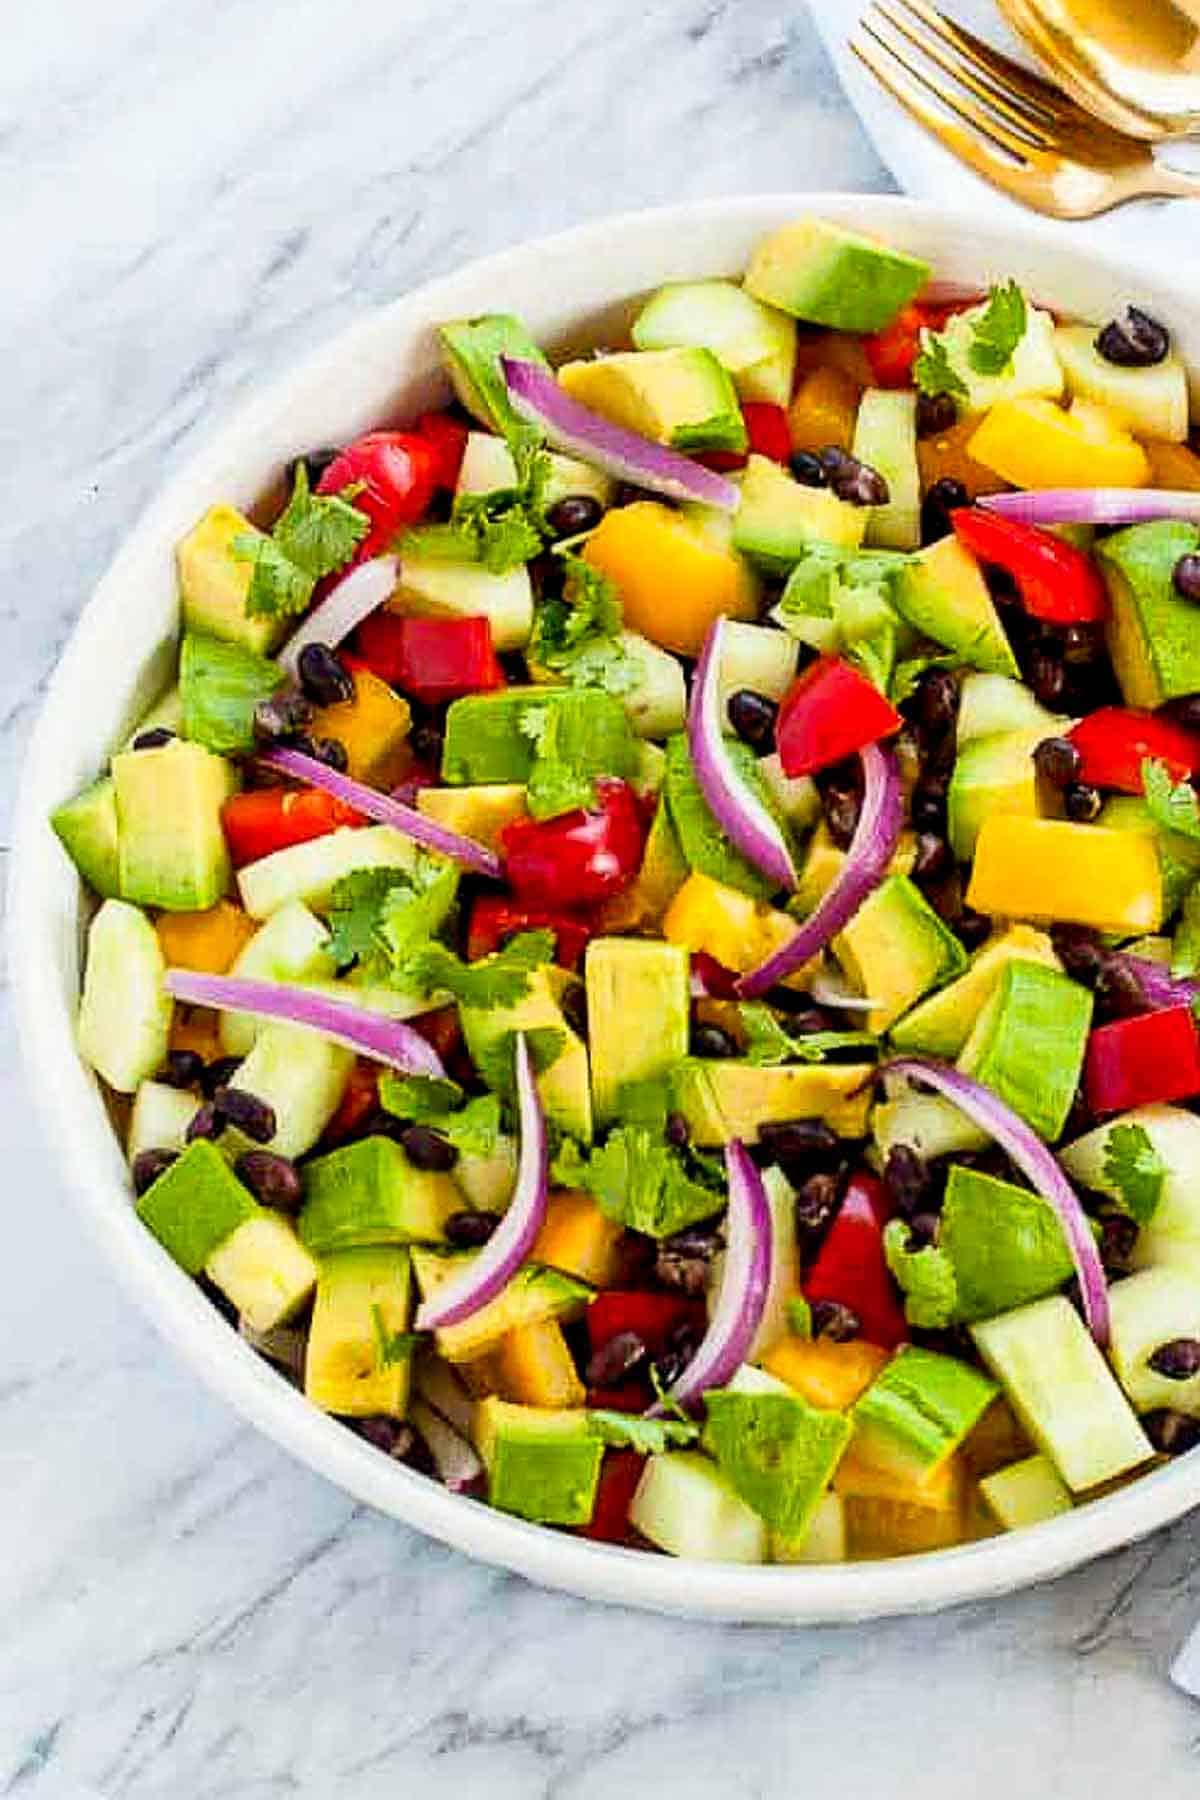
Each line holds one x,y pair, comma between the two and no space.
488,1181
784,1282
1152,402
648,778
264,1269
369,1193
87,830
796,797
925,1123
757,657
1062,1390
487,464
291,946
165,715
1026,1493
125,1012
534,1294
755,342
362,1303
687,1507
823,1542
433,588
1171,1238
309,872
885,438
1033,368
994,774
988,704
301,1076
656,704
159,1119
1149,1310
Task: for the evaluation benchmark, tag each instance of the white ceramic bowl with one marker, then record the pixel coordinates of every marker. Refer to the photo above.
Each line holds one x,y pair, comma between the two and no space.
571,289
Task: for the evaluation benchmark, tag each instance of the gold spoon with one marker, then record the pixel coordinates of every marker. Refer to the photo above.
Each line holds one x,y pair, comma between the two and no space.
1133,63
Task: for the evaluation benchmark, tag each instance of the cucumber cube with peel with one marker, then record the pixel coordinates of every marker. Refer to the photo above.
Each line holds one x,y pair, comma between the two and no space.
688,1507
1029,1042
195,1205
1149,1310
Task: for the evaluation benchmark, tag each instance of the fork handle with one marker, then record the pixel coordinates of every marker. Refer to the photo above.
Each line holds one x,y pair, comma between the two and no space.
1158,182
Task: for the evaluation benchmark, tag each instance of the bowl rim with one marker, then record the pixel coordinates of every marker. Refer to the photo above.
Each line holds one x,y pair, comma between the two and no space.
94,1169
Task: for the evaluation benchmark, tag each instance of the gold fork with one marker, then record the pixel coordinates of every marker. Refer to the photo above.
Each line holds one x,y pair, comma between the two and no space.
1010,126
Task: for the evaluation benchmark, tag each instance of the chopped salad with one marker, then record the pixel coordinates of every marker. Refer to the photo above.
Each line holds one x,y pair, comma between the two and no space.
649,959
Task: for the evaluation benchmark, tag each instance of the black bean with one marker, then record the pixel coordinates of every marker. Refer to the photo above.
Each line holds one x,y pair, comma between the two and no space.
808,469
1118,1239
841,807
218,1073
254,1117
681,1273
922,1230
1082,802
1058,761
1080,951
206,1122
428,1149
614,1360
832,1319
1083,645
711,1041
803,1016
271,1179
935,705
426,744
1184,709
816,1202
282,716
1177,1360
857,484
683,1341
906,1178
573,1006
799,1141
753,718
1134,341
148,1165
928,804
972,928
314,464
388,1435
933,860
184,1069
1172,1433
935,413
573,514
941,499
695,1240
677,1131
324,676
154,739
1119,992
468,1229
1047,677
1186,578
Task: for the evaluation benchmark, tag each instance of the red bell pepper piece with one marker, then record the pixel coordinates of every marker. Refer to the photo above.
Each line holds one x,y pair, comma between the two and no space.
892,352
268,819
620,1473
580,857
651,1316
767,430
360,1097
1057,581
396,474
1114,741
447,437
852,1268
1141,1060
431,659
721,983
494,920
829,712
630,1397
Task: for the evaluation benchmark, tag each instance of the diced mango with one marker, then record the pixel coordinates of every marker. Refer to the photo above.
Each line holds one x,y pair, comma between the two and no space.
196,1028
1047,870
828,1374
738,931
481,813
945,457
1172,465
941,1491
577,1238
824,411
1035,444
373,727
535,1367
841,350
880,1527
209,941
673,575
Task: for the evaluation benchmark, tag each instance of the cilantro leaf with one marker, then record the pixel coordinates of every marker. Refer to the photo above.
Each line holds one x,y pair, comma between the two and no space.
1185,951
427,1100
664,1398
497,980
393,1347
628,1431
933,371
555,785
319,532
768,1044
639,1182
414,911
380,918
277,585
496,1062
502,528
1173,805
354,908
926,1276
999,329
1135,1169
578,637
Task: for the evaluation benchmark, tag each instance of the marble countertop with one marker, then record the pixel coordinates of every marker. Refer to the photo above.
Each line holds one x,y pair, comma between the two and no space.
193,193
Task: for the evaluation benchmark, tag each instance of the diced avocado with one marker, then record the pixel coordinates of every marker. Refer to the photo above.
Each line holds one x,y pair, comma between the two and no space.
885,438
1029,1041
362,1304
309,872
822,1541
655,701
214,582
688,1507
1026,1493
895,949
824,862
290,946
988,704
488,1181
663,872
477,812
220,684
301,1076
917,1411
777,1451
828,275
1152,402
171,847
1147,1311
1152,636
565,1084
682,397
993,775
757,657
705,846
795,798
431,587
732,1098
1033,367
941,1025
541,1464
125,1010
1178,856
195,1204
264,1269
942,593
87,830
1171,1236
369,1193
925,1123
638,1004
159,1118
471,351
534,1294
756,343
488,465
778,517
492,737
1060,1388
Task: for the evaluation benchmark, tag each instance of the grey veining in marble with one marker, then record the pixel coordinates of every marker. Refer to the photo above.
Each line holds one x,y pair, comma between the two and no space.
193,193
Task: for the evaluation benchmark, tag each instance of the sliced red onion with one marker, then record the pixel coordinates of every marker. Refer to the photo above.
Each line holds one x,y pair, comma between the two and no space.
1094,506
871,850
356,596
513,1238
386,1040
745,1282
830,988
1035,1162
440,1388
457,1465
742,815
578,431
283,1345
1158,986
386,811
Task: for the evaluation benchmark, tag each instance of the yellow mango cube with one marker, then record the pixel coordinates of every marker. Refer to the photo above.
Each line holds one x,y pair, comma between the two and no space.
1035,444
826,1373
674,573
577,1238
373,727
209,941
535,1367
1047,870
726,924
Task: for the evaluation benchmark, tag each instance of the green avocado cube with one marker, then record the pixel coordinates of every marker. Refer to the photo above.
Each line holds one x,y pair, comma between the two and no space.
1028,1044
541,1465
171,848
215,577
681,396
1152,636
264,1270
638,1004
941,1025
565,1081
779,518
196,1203
352,1365
731,1097
87,829
1026,1493
942,593
895,949
778,1452
756,343
370,1193
471,351
918,1410
822,272
220,684
493,737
